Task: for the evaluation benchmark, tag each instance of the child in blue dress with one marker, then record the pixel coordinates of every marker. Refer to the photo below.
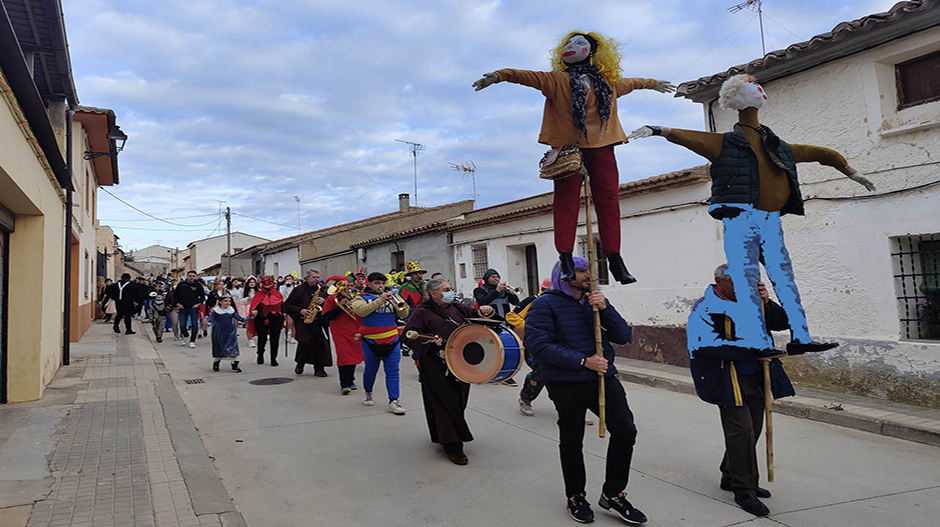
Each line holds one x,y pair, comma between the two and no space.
222,317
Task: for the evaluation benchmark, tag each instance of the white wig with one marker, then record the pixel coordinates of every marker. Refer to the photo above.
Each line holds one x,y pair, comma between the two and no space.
730,88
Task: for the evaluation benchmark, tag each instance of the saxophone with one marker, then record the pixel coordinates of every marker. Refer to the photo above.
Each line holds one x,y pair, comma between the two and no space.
314,309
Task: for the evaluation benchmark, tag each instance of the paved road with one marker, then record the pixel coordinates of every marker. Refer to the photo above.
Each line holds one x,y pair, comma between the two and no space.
301,454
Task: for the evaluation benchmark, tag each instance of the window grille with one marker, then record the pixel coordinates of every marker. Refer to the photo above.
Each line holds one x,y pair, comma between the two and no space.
398,260
918,80
916,260
603,277
480,261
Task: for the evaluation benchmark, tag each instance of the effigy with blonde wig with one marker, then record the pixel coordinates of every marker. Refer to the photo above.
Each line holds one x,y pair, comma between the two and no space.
580,117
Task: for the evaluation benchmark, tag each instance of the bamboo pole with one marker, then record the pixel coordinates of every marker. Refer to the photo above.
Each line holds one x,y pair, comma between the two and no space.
769,419
598,341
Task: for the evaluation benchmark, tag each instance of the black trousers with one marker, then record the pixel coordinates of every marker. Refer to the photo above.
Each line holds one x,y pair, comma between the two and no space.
572,400
269,326
347,375
742,427
125,314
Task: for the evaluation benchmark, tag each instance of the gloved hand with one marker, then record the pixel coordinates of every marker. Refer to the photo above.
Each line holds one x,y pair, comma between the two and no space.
664,87
648,130
487,80
863,181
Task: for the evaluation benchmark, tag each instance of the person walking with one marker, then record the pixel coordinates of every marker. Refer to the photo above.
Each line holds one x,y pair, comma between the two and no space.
222,318
268,314
126,297
189,296
313,344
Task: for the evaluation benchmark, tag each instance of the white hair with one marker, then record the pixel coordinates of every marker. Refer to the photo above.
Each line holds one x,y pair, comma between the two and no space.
730,88
310,272
720,272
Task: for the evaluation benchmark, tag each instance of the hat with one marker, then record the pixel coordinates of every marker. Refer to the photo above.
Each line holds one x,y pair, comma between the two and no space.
267,280
414,266
546,284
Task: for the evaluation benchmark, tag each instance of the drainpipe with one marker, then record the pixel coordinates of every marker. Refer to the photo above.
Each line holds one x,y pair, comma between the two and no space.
67,309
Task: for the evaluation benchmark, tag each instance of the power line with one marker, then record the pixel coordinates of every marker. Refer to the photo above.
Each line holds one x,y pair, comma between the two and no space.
265,221
177,218
783,26
142,212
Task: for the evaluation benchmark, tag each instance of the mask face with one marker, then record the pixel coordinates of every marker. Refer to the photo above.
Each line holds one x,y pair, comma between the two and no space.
750,95
576,49
449,297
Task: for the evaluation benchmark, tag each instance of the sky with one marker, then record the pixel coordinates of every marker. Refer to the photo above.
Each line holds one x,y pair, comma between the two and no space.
255,102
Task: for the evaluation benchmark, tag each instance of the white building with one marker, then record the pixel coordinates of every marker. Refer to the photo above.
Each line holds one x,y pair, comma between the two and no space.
152,254
207,252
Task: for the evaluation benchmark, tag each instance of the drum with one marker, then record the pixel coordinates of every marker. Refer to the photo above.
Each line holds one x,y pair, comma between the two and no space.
477,354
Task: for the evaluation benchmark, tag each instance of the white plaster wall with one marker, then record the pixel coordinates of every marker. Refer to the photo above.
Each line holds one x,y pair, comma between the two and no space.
430,249
209,252
287,260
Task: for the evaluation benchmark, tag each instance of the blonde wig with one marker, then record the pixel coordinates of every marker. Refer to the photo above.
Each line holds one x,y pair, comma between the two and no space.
606,57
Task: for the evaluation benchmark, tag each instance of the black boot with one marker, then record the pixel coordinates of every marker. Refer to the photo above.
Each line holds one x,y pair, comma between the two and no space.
619,269
235,367
261,358
319,371
215,366
299,368
799,348
567,266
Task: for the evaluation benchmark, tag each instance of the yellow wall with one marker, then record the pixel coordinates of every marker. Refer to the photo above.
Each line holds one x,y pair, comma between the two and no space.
34,338
83,226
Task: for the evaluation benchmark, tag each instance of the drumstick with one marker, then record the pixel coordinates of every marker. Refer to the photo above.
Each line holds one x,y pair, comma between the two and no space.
414,335
598,340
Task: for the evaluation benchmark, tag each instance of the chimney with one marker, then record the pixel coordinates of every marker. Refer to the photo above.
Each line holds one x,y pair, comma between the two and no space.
404,201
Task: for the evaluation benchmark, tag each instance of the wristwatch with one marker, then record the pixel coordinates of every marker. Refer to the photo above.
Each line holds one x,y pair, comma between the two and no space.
582,360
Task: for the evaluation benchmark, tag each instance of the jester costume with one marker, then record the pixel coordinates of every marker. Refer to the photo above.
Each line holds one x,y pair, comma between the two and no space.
380,339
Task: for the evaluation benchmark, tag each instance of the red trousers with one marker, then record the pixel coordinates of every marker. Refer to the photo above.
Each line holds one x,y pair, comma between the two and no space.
605,184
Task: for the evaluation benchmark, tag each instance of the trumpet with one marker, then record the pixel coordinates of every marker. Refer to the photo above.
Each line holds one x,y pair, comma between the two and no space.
516,290
399,302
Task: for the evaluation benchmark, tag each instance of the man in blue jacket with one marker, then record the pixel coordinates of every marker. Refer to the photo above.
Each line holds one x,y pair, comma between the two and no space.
560,335
728,375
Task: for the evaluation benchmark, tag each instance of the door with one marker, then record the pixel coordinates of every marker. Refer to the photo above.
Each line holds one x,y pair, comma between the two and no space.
532,269
4,258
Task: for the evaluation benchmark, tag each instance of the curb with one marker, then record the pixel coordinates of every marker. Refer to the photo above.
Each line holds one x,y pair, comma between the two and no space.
805,411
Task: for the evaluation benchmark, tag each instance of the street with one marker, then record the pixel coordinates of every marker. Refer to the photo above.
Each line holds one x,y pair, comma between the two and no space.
301,454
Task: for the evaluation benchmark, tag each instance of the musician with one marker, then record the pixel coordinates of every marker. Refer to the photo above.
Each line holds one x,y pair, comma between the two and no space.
445,396
381,338
267,311
343,330
559,332
412,291
313,345
728,376
500,297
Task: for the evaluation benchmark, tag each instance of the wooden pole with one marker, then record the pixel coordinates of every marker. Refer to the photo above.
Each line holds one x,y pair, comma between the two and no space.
769,420
598,341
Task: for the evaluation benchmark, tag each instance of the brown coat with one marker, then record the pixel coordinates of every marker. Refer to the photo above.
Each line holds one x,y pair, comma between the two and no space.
558,127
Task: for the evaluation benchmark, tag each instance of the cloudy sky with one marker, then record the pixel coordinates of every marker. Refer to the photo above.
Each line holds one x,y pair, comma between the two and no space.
255,101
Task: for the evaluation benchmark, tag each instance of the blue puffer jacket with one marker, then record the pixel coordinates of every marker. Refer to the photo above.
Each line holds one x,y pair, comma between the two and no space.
559,333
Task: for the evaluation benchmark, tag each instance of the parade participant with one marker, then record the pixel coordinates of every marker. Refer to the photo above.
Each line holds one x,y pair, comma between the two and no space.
244,297
581,95
726,376
107,304
754,183
559,332
381,338
285,291
500,297
173,312
343,330
203,313
189,296
437,276
360,281
158,312
268,315
313,344
445,396
126,297
143,306
222,318
218,291
412,291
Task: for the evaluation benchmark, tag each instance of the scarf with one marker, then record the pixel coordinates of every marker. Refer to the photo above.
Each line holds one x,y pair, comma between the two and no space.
602,93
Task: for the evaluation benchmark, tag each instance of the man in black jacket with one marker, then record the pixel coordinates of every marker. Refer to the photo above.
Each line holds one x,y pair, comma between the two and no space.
126,296
500,297
729,376
189,296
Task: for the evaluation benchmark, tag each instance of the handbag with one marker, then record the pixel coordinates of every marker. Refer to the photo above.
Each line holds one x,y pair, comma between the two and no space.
559,164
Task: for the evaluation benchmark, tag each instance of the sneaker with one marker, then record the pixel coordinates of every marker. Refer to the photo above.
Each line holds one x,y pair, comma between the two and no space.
293,340
346,390
235,367
621,506
192,344
354,387
132,332
510,382
579,509
368,400
159,340
215,366
751,504
395,408
525,408
251,343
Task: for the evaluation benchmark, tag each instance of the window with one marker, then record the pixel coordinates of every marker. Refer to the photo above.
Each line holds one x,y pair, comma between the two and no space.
603,278
87,185
916,260
398,260
918,80
463,270
86,269
480,261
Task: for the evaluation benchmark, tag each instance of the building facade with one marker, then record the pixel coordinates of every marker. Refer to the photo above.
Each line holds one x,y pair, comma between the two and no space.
207,252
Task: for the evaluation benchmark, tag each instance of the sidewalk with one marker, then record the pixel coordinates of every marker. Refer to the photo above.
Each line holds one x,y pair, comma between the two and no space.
104,446
913,423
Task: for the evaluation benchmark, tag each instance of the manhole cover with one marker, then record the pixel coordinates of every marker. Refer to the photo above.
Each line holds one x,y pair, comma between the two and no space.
194,381
271,380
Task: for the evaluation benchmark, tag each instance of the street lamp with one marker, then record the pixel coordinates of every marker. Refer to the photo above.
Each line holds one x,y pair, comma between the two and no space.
116,137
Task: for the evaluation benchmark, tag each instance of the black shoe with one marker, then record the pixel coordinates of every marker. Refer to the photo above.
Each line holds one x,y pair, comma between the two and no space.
567,269
458,458
621,506
404,353
215,366
235,367
579,509
299,369
760,492
767,353
130,332
273,361
117,329
159,340
319,372
619,269
751,504
799,348
511,382
261,358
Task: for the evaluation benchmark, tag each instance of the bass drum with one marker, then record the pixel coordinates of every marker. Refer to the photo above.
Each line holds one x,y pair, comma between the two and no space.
478,354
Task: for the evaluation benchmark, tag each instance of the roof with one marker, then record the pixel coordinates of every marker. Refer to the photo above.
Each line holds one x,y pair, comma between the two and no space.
40,30
190,244
98,122
427,227
847,38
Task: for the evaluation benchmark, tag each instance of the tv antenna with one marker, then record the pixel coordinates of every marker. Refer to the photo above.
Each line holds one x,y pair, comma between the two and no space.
469,169
754,5
415,148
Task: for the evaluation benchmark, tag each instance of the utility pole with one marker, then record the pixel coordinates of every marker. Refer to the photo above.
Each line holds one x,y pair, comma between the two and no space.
754,5
415,148
297,199
228,241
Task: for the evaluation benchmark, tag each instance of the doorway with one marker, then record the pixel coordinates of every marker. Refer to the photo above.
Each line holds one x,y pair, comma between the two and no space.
4,271
532,269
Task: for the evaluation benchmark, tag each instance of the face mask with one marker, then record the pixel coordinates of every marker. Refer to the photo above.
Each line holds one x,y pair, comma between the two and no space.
750,95
449,297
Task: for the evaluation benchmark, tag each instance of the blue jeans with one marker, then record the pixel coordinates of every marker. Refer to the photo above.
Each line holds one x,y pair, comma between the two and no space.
190,317
750,237
391,363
